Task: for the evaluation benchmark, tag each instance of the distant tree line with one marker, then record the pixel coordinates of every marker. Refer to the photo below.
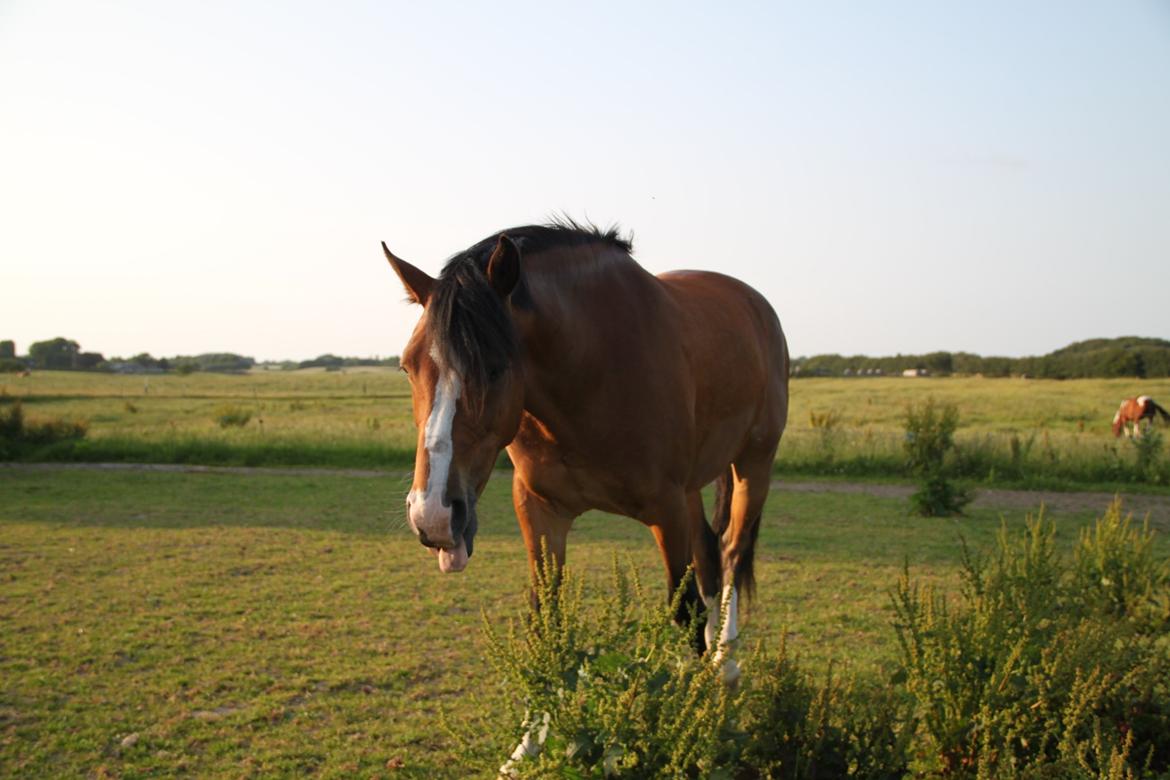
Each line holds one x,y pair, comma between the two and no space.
61,354
334,362
1129,356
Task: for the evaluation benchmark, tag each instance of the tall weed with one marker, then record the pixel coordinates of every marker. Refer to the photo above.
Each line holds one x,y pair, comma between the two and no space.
615,690
930,436
1043,667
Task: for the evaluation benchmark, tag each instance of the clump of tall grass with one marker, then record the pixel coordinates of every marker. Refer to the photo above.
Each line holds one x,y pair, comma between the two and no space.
231,416
18,435
1044,667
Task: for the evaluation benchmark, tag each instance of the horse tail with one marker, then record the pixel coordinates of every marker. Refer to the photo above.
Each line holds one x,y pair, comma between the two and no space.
1117,421
721,517
745,567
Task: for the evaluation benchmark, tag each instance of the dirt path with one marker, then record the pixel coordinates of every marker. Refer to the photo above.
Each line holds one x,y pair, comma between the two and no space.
1141,504
1157,507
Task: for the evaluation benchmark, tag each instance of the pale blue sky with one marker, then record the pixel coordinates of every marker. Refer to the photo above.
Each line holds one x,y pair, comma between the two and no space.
896,176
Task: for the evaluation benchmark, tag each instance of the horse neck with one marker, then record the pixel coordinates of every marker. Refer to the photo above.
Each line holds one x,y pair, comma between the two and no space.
580,299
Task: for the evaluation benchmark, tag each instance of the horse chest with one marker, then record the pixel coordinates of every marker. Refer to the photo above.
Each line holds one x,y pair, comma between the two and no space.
579,481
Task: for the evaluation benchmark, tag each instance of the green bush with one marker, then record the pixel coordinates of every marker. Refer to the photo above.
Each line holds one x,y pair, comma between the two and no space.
18,435
616,690
1044,668
930,435
796,728
1148,455
229,416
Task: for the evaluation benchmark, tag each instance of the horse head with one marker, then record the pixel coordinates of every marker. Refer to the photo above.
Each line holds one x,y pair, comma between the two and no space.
466,390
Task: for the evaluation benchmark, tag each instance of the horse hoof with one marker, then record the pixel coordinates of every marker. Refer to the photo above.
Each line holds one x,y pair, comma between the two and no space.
730,673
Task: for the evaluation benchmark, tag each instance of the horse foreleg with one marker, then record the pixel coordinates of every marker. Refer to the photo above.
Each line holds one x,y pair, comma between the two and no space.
669,520
542,525
545,531
705,557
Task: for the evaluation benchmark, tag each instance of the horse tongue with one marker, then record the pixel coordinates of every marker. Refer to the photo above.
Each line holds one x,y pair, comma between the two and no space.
453,560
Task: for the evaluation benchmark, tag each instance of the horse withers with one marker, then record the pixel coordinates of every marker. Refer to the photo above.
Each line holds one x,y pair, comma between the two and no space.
1134,414
611,389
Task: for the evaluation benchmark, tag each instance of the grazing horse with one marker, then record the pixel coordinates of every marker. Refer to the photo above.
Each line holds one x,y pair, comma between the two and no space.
611,389
1136,413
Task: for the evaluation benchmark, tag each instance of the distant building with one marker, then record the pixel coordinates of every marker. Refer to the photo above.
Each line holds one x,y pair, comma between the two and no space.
916,372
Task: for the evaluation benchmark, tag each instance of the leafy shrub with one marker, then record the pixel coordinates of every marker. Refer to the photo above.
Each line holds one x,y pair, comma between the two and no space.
930,435
616,691
796,728
229,416
1041,668
1148,450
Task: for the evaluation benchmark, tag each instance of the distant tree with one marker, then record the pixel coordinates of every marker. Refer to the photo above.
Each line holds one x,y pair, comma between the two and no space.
58,353
145,359
938,363
7,349
88,361
1123,362
323,361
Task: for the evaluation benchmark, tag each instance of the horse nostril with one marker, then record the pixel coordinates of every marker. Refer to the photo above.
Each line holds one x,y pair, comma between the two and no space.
458,517
422,537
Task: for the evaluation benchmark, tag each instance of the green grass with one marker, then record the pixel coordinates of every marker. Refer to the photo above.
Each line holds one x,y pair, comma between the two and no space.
261,625
1034,433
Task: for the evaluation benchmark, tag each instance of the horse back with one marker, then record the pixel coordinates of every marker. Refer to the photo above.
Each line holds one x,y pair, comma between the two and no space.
737,362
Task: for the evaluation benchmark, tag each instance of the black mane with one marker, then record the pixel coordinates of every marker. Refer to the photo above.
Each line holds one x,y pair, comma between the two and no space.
468,326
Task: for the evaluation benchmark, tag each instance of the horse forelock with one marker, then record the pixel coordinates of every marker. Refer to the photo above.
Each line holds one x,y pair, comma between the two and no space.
468,326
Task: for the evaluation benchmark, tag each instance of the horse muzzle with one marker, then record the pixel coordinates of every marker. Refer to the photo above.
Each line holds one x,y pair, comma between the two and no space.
447,529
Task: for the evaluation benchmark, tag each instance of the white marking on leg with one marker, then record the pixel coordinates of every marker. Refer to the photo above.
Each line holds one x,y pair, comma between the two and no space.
730,606
530,744
729,632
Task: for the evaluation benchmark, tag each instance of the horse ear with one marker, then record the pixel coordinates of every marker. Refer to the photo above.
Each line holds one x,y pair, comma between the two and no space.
503,268
417,283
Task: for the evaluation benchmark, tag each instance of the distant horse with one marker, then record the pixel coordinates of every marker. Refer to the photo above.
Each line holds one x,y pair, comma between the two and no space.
1134,414
611,389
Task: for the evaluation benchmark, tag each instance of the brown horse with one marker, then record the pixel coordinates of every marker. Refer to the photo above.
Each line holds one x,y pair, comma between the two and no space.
1134,413
610,388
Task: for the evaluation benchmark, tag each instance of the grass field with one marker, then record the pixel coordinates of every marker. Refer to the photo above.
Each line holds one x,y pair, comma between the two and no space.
1012,431
228,625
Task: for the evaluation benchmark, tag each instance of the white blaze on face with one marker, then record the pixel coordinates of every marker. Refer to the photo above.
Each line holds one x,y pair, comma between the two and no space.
427,512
